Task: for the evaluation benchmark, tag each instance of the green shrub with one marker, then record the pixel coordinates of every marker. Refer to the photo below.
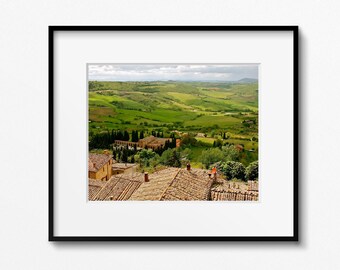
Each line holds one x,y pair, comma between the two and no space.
171,157
211,156
233,169
252,171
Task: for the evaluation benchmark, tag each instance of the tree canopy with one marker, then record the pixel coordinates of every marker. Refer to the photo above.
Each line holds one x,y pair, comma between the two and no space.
252,171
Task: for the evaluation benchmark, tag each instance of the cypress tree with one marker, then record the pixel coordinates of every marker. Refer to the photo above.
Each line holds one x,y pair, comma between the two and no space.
126,136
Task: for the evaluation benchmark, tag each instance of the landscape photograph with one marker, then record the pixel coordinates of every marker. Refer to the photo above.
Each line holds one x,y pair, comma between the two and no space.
173,132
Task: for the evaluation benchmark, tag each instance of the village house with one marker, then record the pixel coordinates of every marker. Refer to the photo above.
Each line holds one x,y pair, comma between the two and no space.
100,166
184,184
164,185
118,168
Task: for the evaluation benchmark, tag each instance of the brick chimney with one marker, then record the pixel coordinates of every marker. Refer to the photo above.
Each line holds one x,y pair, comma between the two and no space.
215,176
146,177
188,167
214,173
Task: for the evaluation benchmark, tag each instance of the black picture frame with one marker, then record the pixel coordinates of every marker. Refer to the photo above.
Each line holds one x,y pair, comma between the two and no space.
53,29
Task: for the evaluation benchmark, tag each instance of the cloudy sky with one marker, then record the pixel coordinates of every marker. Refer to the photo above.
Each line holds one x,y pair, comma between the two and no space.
164,72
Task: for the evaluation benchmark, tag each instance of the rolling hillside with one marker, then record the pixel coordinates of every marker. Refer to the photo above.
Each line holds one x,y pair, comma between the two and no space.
172,105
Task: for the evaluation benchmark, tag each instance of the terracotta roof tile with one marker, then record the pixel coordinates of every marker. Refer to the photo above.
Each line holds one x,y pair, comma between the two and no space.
189,185
167,184
94,187
231,191
155,188
119,187
123,165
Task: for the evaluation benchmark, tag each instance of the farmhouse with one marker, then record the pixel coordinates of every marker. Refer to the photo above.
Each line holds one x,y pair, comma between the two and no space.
153,142
100,166
239,147
126,143
150,142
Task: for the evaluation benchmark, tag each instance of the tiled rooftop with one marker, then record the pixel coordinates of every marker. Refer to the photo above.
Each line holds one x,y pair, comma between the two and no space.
157,185
123,165
119,187
231,191
189,186
167,184
94,187
154,140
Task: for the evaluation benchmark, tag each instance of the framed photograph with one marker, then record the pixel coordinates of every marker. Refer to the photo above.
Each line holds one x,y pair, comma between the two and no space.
173,133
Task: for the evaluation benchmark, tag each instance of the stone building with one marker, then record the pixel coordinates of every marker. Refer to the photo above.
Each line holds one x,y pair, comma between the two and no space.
150,142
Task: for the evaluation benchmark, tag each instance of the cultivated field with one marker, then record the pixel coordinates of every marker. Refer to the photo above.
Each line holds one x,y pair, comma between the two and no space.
209,110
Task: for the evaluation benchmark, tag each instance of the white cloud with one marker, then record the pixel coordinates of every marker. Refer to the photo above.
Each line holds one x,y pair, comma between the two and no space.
146,72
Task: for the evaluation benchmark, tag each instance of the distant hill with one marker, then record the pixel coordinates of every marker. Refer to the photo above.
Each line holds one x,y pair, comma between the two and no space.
247,80
185,106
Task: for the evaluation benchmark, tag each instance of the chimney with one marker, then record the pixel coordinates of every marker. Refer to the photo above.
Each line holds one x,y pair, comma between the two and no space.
146,177
214,173
188,166
215,176
106,152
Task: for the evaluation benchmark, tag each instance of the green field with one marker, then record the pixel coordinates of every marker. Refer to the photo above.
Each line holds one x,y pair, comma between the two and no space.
188,103
212,108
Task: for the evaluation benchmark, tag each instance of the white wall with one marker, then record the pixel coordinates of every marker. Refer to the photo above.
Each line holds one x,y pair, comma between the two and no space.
24,127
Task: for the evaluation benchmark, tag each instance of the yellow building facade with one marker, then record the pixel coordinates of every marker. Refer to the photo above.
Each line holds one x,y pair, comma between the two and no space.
100,166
